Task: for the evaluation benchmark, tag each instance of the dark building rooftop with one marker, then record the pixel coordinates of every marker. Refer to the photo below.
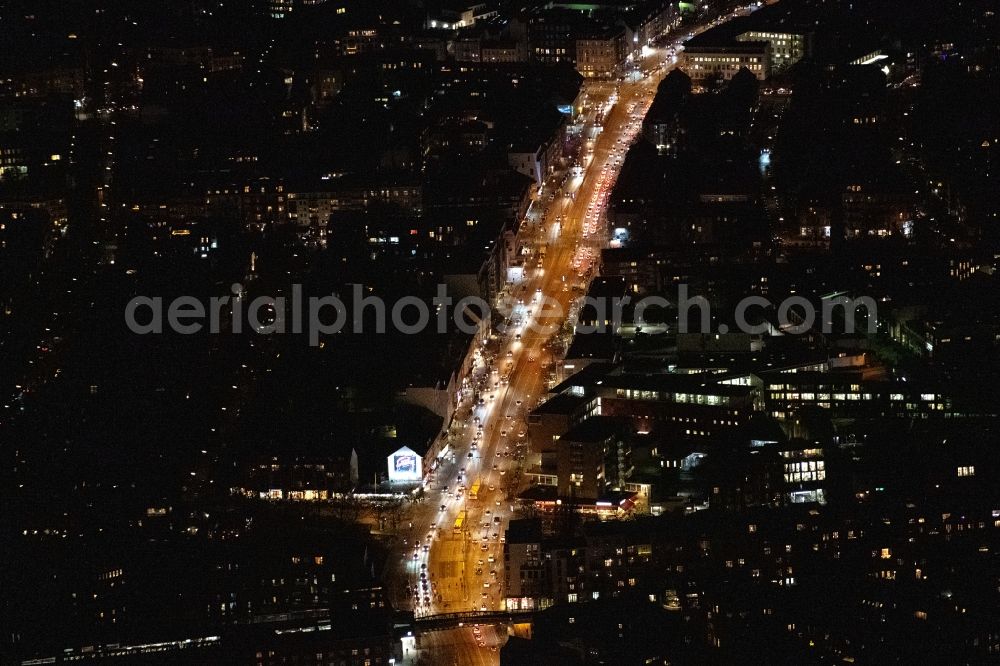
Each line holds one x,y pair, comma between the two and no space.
524,530
594,429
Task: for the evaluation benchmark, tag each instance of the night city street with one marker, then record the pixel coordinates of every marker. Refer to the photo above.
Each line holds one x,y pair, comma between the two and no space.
548,332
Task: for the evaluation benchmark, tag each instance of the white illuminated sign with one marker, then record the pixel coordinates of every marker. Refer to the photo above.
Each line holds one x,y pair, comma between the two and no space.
405,465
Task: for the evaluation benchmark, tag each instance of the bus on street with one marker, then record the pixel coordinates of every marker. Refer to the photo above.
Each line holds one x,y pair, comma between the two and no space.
474,492
459,522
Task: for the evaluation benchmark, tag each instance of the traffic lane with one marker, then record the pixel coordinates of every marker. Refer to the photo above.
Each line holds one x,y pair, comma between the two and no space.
525,376
478,509
524,379
491,442
603,150
460,646
521,370
475,512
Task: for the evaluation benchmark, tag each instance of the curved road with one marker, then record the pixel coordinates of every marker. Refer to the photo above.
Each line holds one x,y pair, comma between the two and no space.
463,569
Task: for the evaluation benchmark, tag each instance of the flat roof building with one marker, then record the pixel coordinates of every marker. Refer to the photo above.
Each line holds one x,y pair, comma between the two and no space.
704,62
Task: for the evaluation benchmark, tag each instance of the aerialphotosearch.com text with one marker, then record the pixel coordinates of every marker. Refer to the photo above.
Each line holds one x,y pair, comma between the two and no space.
318,316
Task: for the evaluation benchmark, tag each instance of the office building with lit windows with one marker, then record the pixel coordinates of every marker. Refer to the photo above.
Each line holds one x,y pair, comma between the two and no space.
280,9
551,35
592,456
787,48
849,395
722,61
804,473
687,405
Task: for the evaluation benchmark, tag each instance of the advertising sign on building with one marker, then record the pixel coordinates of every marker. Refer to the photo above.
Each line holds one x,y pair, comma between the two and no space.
405,465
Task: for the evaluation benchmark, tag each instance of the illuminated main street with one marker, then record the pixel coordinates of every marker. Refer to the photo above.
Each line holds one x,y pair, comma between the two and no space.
462,569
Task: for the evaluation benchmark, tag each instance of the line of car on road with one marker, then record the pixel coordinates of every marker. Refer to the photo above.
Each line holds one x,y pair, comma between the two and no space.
498,379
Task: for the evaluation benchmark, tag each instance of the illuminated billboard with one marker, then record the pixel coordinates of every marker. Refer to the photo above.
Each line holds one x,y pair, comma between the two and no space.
405,465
